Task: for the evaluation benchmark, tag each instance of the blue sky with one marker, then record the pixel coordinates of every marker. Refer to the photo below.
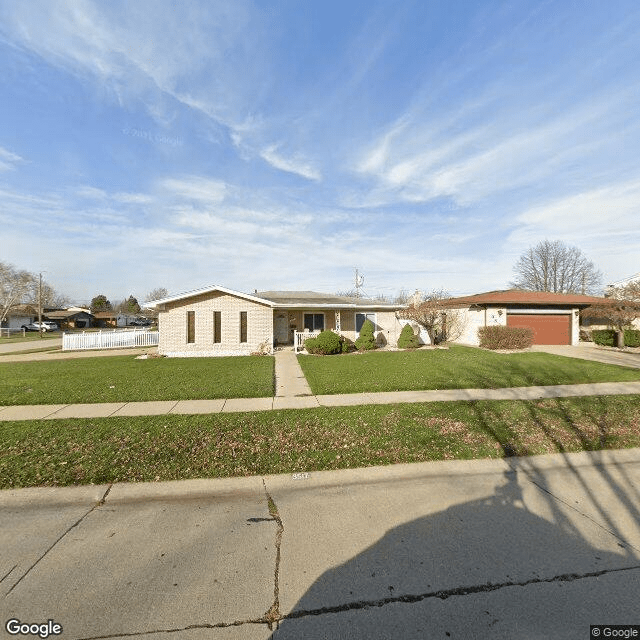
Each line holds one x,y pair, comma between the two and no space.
278,145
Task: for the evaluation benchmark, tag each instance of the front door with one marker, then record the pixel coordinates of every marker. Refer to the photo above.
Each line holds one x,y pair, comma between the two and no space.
281,328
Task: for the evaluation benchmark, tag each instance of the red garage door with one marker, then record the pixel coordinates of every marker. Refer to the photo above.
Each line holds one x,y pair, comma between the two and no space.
547,329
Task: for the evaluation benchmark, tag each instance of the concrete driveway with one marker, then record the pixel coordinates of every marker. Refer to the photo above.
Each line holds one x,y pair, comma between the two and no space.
590,351
511,548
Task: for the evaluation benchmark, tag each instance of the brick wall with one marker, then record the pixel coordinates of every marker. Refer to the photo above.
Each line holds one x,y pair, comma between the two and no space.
172,325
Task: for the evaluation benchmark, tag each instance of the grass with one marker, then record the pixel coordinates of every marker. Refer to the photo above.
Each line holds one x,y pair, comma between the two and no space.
126,379
49,349
454,368
153,448
30,336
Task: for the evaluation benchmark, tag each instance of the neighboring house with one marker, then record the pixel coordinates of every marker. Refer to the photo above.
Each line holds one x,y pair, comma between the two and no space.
610,292
217,321
610,289
112,319
18,315
554,317
71,318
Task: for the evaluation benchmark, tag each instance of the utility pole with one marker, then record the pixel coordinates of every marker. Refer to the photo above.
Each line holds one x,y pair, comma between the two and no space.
359,283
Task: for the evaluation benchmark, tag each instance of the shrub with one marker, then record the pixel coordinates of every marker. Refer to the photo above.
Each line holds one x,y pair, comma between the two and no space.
408,339
604,337
632,338
366,341
585,335
347,345
310,345
325,344
501,337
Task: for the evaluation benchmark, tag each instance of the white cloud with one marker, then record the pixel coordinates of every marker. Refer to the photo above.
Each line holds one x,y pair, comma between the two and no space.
8,160
196,188
296,164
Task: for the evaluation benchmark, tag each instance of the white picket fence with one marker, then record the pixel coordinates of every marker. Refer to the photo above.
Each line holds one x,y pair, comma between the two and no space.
114,339
300,336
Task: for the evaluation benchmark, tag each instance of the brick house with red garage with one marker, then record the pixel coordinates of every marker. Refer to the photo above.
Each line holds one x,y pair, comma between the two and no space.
553,317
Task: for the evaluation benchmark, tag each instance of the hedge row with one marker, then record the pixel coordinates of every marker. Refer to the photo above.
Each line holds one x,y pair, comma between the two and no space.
607,337
501,337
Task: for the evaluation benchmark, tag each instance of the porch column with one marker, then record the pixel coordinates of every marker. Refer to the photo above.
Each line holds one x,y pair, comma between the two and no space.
338,329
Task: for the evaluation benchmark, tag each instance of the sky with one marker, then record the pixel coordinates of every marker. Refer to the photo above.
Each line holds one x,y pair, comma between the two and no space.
280,145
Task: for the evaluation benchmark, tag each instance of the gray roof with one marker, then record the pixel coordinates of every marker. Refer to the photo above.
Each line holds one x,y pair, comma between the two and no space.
312,299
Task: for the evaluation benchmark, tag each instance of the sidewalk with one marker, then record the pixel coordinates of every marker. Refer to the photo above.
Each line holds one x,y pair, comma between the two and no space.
237,405
491,549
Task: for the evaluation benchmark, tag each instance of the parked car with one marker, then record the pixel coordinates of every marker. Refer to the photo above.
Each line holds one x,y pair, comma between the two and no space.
140,322
46,326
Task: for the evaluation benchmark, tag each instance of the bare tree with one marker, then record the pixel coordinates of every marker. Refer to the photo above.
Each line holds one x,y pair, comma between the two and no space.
156,294
15,287
50,297
435,314
556,267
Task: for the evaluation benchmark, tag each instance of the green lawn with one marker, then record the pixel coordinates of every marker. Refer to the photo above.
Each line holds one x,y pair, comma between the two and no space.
101,450
125,379
30,336
454,368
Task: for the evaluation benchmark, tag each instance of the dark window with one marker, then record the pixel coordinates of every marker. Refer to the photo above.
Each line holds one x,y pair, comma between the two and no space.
314,321
243,326
191,327
217,326
361,317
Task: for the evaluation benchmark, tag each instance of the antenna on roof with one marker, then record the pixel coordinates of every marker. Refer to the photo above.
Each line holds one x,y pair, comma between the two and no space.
359,283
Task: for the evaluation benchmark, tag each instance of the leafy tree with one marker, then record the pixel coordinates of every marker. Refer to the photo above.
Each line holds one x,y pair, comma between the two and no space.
555,267
100,303
129,306
15,287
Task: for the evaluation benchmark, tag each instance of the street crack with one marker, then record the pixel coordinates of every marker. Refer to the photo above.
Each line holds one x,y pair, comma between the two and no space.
272,615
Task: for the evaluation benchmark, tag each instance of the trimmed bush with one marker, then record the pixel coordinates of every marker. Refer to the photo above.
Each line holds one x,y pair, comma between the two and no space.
408,339
366,341
325,344
310,345
604,337
632,338
501,337
347,345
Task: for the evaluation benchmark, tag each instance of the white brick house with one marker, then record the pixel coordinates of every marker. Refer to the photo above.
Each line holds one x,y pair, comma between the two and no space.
217,321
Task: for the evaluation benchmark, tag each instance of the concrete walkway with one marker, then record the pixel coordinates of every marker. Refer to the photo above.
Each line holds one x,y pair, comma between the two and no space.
539,547
236,405
590,351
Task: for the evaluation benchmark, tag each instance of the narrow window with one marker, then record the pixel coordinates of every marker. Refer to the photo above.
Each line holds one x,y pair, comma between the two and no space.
243,326
191,327
217,327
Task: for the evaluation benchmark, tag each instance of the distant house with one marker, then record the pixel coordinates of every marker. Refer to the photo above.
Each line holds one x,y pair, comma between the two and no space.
611,289
217,321
18,315
113,319
71,318
553,317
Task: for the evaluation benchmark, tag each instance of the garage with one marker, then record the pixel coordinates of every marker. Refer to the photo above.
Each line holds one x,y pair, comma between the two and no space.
547,328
